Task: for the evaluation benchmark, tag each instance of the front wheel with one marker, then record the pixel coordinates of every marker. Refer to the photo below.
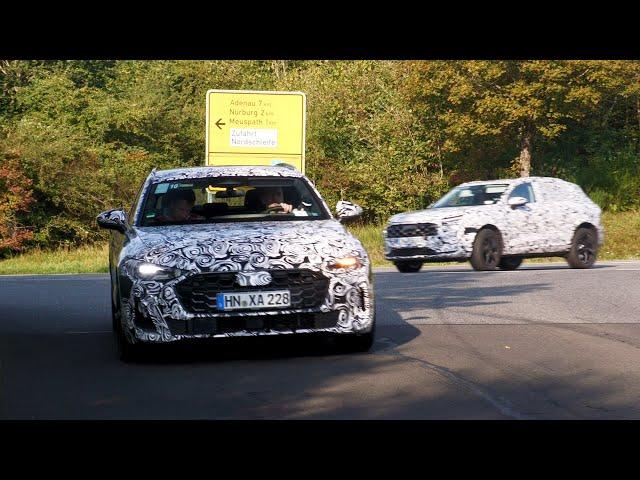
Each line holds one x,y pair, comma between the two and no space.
127,351
584,249
510,263
487,250
115,314
360,343
408,267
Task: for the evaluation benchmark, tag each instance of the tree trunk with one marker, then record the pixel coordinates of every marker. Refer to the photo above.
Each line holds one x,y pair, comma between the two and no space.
638,103
525,153
279,68
638,109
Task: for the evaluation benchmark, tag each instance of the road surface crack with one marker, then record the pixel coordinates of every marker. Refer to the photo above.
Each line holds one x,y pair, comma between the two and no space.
502,404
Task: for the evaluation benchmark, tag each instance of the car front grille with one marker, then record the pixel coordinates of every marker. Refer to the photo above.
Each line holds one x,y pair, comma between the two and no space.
412,230
177,327
222,325
198,293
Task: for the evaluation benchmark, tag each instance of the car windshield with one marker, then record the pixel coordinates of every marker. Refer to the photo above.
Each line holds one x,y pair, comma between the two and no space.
472,195
229,199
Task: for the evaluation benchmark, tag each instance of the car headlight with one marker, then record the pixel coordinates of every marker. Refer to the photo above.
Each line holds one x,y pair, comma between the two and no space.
156,272
346,263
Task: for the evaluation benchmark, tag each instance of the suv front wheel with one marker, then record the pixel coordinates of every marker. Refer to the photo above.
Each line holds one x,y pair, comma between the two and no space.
408,267
584,248
509,263
487,250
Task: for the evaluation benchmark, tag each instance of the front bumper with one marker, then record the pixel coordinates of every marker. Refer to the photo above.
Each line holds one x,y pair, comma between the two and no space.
444,243
422,254
154,313
240,326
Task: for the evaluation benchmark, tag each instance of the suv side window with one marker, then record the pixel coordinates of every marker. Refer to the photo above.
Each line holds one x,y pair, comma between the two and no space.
524,190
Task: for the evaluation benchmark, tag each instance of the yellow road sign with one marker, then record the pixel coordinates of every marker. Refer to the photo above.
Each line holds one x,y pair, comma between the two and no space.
246,127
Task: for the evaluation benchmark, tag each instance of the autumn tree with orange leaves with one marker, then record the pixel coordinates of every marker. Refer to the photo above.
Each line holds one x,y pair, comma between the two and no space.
15,199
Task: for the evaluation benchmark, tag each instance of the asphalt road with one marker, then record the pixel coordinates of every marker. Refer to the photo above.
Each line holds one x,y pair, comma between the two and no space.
541,342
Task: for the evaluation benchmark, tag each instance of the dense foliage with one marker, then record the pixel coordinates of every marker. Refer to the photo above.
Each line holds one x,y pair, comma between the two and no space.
78,137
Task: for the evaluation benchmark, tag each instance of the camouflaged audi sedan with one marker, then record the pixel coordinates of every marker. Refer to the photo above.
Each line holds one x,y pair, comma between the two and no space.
497,224
214,252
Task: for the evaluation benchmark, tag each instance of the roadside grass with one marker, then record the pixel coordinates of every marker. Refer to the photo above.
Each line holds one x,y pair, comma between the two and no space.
622,231
371,238
621,236
86,259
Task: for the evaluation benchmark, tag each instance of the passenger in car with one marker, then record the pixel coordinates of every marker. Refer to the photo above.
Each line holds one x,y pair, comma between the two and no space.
177,205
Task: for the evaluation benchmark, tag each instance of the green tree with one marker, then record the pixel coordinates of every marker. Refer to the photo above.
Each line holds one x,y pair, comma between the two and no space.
472,103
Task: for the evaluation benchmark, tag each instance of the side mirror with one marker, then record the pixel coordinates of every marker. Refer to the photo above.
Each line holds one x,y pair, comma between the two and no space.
517,202
113,220
347,211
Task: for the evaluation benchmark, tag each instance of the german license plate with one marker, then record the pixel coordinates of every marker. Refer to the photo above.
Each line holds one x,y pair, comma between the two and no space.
253,300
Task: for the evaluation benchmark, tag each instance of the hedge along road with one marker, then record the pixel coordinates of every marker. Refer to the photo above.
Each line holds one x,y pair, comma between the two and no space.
541,342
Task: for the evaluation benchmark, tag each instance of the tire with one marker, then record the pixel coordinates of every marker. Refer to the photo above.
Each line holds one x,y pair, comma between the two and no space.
115,309
510,263
584,248
126,351
115,312
408,266
487,250
360,343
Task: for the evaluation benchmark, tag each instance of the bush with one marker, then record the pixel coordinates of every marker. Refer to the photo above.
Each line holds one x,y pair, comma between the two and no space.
15,200
63,232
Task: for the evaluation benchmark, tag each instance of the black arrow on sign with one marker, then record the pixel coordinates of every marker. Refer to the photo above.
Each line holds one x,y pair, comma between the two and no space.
218,123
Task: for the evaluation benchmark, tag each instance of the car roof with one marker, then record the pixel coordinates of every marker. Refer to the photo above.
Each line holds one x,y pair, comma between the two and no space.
512,181
224,171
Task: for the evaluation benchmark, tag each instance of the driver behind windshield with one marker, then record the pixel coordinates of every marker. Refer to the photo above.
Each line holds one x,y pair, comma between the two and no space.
272,198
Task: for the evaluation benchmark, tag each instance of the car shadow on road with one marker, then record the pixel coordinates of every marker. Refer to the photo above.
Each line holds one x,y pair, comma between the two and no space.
263,348
466,268
75,377
560,266
436,290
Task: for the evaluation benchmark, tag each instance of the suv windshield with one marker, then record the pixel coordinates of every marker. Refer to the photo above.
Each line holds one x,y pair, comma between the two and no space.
472,195
229,199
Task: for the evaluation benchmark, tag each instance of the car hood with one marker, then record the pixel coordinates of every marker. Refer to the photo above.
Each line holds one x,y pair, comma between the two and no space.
433,214
246,245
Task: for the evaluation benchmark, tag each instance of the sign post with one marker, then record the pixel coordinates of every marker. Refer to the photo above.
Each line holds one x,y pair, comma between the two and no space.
246,127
